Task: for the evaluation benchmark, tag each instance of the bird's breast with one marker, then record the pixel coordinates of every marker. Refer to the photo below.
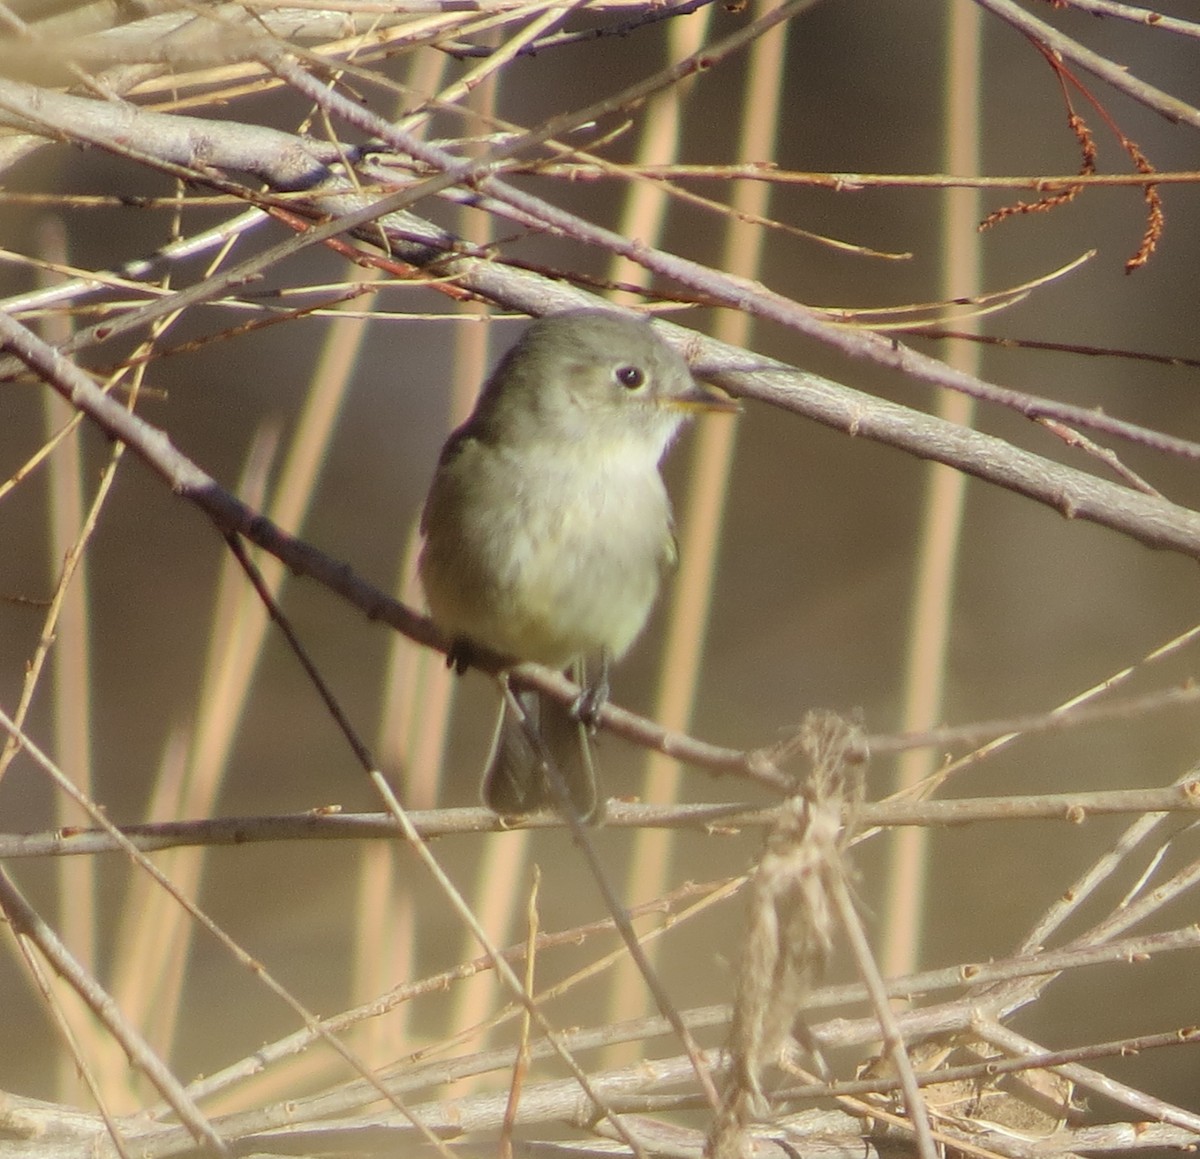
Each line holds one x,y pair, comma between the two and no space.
560,551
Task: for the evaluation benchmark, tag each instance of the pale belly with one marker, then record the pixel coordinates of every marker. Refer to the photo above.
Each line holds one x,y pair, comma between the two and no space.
563,568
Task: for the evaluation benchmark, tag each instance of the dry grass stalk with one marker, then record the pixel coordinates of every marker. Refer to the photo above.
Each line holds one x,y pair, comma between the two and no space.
792,917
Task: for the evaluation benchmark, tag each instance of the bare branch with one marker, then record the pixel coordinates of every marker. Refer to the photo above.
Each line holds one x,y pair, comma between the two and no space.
1120,78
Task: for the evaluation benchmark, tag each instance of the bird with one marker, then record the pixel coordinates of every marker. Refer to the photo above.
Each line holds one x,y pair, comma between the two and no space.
547,531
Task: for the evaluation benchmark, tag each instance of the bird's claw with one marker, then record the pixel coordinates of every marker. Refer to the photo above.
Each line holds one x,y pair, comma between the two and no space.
589,704
460,656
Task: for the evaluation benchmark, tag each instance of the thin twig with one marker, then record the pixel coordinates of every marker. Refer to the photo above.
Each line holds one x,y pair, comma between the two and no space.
28,923
171,1090
716,820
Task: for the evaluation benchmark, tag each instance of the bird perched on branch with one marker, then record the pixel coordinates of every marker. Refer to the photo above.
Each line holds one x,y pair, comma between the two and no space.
547,530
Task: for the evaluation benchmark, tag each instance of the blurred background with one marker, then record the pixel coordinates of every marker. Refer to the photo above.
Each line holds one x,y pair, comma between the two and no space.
811,587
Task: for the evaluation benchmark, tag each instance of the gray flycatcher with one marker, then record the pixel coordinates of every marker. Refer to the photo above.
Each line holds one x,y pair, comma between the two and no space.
547,529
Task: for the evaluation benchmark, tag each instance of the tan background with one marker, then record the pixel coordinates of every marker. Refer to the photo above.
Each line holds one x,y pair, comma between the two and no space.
816,567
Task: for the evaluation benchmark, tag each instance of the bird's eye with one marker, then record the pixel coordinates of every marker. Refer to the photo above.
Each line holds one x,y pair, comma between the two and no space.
630,377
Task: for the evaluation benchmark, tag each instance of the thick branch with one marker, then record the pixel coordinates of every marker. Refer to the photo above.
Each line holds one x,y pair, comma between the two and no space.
284,159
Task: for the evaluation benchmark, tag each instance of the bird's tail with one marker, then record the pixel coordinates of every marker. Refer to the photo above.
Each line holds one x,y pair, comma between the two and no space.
516,781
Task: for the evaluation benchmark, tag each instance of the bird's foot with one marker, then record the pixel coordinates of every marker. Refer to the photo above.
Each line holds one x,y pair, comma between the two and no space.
591,701
460,656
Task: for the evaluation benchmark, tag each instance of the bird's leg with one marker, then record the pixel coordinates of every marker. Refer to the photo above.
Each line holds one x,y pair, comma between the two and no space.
594,696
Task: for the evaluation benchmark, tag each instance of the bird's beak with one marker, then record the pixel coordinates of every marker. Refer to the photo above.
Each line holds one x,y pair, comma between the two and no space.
703,398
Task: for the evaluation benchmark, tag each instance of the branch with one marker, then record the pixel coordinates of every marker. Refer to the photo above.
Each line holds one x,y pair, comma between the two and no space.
1120,78
331,825
28,924
284,159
